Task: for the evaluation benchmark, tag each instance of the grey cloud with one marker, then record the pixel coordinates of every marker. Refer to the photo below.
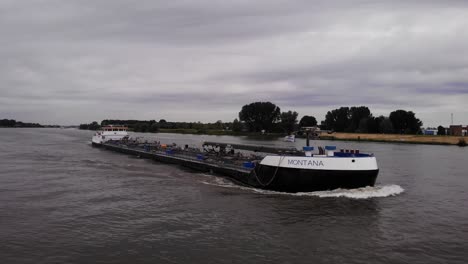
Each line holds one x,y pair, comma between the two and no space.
202,60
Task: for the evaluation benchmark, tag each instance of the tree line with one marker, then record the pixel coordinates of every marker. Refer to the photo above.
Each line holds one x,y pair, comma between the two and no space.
156,126
268,117
360,119
14,123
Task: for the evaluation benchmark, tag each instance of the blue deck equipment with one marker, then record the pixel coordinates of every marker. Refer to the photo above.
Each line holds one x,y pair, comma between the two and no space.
349,155
248,165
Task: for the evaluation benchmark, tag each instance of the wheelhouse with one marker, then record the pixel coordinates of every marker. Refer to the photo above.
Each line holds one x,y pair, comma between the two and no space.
114,128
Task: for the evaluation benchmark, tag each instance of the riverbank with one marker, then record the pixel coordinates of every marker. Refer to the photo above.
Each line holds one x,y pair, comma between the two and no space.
201,132
394,138
389,138
213,132
386,138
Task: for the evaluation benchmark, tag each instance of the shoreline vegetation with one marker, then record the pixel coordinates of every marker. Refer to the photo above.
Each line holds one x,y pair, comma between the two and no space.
265,120
12,123
338,136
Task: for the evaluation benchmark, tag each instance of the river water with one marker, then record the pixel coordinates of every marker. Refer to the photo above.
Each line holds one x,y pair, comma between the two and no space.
63,201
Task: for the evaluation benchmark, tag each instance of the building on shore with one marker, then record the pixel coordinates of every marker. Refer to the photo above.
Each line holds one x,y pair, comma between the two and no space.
430,131
458,130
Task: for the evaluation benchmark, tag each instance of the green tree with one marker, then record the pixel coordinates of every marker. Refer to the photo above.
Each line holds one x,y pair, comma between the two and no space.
373,124
236,125
356,115
94,126
337,119
386,126
288,121
405,122
137,127
154,128
163,123
144,127
308,121
364,125
7,123
198,126
441,131
219,125
260,115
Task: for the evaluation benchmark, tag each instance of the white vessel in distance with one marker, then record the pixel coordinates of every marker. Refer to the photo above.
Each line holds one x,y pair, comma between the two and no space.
289,138
109,133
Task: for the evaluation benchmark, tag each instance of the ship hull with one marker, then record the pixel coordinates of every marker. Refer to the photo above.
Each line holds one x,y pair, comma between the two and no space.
308,180
317,174
94,144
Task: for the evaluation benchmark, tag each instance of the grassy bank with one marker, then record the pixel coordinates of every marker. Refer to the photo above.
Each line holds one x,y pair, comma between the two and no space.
411,139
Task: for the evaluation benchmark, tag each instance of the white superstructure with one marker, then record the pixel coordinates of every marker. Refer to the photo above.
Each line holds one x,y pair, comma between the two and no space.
109,133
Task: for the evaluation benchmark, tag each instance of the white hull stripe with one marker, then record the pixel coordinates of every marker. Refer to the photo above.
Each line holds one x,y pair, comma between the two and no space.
321,163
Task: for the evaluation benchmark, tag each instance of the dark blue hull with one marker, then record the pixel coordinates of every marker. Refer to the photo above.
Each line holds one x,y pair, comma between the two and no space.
306,180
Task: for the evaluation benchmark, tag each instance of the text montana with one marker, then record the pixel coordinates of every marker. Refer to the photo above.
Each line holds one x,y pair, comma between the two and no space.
305,162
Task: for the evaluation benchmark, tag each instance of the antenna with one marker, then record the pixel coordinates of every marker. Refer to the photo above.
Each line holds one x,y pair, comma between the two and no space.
452,119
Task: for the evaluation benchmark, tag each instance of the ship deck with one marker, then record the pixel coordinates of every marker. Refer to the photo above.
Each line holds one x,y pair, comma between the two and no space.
188,159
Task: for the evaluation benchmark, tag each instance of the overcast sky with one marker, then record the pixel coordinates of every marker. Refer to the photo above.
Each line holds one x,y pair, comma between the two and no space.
70,62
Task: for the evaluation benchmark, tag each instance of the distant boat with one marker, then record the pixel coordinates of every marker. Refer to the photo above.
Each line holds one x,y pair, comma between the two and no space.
290,138
109,133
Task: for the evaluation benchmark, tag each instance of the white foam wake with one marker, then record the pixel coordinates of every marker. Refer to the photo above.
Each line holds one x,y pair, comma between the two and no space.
359,193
